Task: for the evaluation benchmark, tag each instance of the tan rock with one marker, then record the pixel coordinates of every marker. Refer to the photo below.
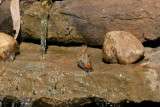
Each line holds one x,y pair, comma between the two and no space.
8,47
85,21
122,47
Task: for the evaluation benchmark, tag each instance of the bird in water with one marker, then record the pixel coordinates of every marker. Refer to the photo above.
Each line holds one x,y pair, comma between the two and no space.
83,60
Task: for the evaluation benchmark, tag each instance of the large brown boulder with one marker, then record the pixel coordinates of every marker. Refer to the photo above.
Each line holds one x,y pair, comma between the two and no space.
94,18
72,20
122,47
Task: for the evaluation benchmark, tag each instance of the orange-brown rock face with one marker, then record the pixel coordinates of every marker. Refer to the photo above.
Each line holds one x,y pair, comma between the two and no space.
122,47
8,47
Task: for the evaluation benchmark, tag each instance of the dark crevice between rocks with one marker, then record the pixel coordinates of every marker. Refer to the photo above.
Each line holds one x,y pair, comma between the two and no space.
152,43
127,103
139,60
10,101
96,46
6,26
19,38
49,43
98,102
107,62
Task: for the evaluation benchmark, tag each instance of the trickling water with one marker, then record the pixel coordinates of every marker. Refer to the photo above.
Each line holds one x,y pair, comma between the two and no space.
45,7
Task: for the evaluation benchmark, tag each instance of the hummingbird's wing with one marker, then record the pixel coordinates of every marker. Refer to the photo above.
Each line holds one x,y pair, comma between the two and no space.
81,64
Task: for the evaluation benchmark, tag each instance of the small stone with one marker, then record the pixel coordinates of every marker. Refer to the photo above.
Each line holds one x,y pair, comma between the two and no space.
8,47
122,47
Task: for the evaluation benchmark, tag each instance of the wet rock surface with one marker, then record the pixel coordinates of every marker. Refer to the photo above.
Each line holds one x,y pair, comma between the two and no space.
57,80
122,47
85,21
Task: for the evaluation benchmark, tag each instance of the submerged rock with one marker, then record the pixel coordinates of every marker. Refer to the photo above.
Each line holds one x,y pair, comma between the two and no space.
122,47
8,47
